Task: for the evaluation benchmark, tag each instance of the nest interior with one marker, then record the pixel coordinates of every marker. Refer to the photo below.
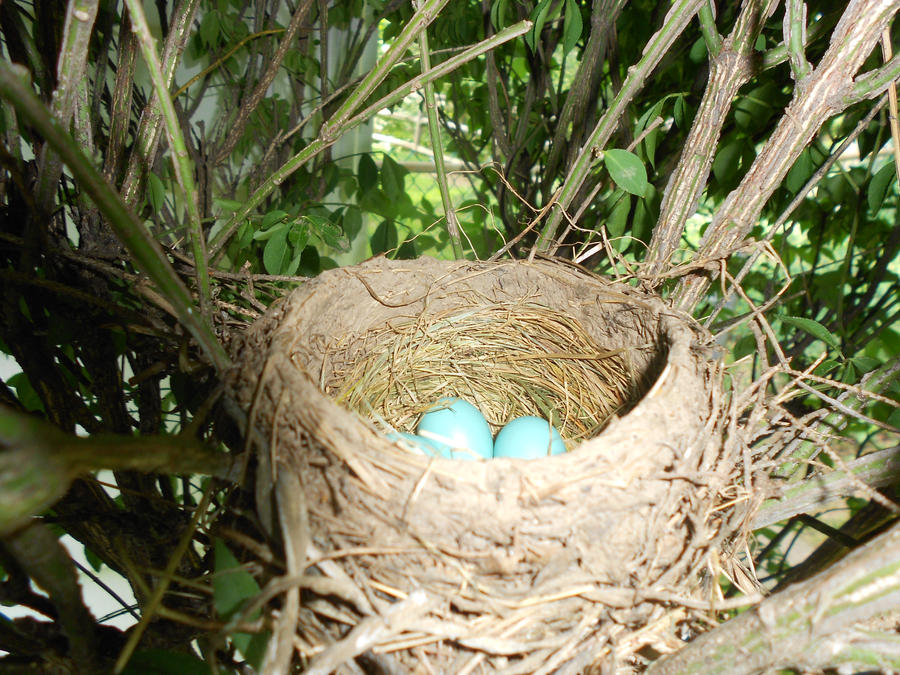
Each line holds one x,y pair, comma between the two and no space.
524,564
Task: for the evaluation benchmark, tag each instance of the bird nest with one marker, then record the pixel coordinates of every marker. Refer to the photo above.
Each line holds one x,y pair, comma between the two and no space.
527,566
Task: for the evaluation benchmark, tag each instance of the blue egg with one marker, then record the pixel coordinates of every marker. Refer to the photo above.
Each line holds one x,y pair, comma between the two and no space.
528,438
419,444
458,429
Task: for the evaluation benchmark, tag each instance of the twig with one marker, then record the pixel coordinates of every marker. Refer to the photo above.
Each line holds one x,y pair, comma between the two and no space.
437,148
184,168
133,235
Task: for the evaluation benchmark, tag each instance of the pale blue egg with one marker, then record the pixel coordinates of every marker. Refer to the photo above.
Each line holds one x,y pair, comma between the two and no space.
528,438
418,444
458,429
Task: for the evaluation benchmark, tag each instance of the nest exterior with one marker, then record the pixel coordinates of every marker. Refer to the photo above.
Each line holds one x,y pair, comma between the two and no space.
475,566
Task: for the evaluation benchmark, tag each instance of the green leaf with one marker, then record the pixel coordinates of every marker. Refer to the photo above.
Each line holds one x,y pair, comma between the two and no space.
162,662
879,186
727,162
209,28
814,328
627,170
26,394
538,18
651,139
646,212
232,585
351,222
366,173
262,235
801,172
392,178
252,646
156,191
272,217
277,252
330,234
698,51
498,13
294,265
865,363
385,237
617,220
679,111
298,236
572,26
753,111
93,559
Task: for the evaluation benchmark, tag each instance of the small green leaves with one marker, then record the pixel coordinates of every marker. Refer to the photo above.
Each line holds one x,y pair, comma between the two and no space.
276,252
233,588
627,170
814,328
617,220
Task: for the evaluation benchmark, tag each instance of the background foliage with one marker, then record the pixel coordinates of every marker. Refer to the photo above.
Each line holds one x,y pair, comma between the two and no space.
166,176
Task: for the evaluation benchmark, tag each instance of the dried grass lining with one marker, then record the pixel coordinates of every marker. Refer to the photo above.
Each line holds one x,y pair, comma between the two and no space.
435,565
509,359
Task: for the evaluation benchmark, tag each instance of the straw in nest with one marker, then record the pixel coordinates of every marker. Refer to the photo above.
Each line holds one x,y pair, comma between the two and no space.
509,359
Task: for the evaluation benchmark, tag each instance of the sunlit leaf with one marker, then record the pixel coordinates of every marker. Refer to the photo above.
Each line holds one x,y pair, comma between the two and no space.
627,170
276,252
572,26
814,328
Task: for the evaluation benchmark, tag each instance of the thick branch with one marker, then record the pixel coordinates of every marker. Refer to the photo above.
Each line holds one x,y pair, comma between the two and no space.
819,96
731,68
791,627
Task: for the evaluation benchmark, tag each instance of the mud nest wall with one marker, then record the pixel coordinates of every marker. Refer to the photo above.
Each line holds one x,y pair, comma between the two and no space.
525,565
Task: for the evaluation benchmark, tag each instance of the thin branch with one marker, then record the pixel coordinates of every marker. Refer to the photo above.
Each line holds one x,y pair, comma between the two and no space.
729,72
877,469
236,129
71,70
711,36
184,168
794,28
826,91
148,134
437,150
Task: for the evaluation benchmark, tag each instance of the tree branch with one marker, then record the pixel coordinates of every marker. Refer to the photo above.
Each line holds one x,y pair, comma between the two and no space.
730,70
791,627
819,96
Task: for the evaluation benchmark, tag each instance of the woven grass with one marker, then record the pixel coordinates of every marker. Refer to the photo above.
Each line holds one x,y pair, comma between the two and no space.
508,359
